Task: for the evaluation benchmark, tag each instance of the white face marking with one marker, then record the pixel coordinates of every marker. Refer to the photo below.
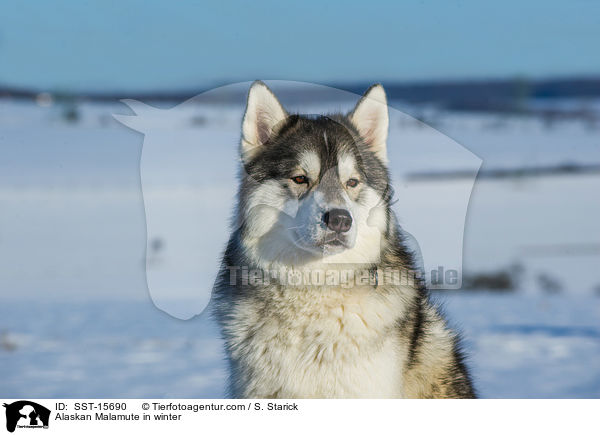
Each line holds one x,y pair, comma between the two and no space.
286,229
346,167
311,164
263,208
267,193
370,221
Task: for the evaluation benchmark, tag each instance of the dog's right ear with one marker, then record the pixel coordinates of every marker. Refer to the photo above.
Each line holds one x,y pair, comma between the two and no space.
264,114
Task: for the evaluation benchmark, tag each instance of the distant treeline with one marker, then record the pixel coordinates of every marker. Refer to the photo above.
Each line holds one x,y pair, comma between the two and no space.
503,95
477,95
562,169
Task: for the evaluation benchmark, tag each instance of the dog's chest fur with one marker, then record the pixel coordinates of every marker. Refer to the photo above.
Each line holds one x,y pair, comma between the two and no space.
315,342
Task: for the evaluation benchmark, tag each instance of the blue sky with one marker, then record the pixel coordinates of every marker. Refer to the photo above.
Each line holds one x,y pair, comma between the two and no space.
151,45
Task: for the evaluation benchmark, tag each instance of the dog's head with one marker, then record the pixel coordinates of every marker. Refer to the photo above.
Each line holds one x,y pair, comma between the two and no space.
314,188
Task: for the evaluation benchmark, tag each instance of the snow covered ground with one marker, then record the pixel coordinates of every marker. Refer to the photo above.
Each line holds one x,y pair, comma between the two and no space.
76,319
520,346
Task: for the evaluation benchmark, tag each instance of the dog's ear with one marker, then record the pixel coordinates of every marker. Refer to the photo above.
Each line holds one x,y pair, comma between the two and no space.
371,119
264,114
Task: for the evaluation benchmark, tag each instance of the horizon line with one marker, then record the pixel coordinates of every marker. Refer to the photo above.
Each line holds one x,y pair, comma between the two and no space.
15,91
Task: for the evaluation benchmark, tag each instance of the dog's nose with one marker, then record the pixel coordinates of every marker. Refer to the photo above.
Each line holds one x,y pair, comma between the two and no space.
338,220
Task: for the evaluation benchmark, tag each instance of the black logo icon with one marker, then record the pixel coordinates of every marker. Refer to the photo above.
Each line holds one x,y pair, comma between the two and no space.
26,414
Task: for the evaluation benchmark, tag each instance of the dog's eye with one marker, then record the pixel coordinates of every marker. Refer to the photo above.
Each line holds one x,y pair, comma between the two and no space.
352,182
300,179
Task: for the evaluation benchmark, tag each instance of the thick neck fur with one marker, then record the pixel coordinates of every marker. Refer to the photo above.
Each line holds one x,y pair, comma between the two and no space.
313,341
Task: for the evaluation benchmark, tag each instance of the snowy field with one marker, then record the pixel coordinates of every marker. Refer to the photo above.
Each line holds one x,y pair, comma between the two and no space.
76,319
520,347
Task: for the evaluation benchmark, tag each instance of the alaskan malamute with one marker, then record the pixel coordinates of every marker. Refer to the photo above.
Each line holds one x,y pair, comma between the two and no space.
318,295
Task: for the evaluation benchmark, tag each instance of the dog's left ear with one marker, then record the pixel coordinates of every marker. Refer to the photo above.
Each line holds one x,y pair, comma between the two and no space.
264,114
371,119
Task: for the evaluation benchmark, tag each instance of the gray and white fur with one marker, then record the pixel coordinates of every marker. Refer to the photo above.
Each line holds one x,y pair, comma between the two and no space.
314,202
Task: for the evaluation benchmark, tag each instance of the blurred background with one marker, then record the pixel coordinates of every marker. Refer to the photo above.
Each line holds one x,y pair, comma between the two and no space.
516,84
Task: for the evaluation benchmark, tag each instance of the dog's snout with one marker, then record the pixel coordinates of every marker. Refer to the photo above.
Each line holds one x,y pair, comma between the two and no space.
338,220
